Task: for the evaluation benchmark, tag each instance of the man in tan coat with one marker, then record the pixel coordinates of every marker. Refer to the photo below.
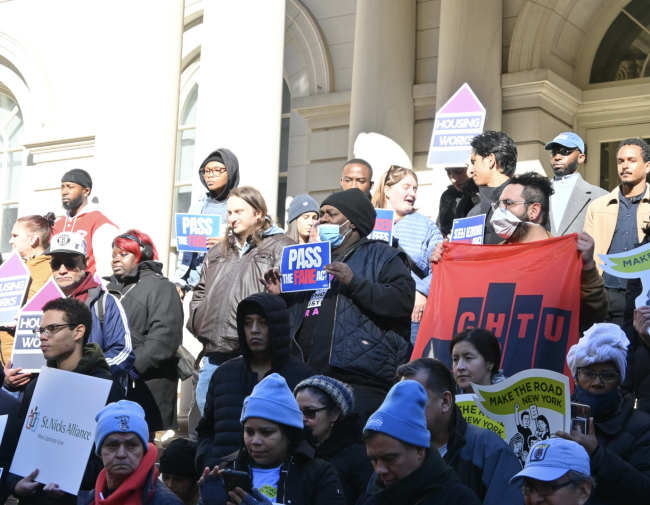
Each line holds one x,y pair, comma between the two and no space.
616,220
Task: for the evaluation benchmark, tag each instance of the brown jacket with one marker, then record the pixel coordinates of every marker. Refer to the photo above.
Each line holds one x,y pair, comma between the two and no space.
600,221
225,281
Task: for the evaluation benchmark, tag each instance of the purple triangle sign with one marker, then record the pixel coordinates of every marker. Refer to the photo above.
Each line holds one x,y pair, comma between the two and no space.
13,267
50,291
464,100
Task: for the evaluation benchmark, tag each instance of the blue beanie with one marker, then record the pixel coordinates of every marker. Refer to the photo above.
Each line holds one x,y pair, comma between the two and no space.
340,393
401,416
121,417
272,400
301,205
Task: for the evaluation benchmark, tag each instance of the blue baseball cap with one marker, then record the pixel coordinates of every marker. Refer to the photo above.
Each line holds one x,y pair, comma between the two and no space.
550,459
567,139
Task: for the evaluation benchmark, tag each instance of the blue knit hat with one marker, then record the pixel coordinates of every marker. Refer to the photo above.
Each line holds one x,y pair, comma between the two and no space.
272,400
401,416
340,393
301,205
121,417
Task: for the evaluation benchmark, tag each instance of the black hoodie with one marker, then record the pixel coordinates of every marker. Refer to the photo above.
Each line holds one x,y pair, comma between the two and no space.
232,169
219,430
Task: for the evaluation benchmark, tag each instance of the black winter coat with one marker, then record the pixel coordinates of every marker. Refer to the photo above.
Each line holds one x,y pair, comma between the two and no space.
456,204
155,313
621,462
372,328
9,407
347,453
219,430
433,483
304,478
488,196
92,364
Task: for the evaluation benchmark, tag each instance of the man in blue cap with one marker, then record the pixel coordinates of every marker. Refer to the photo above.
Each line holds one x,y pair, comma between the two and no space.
556,473
407,469
572,193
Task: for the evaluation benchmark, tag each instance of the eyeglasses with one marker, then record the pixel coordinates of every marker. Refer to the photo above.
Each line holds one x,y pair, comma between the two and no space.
69,263
212,171
51,330
562,151
588,375
310,413
506,204
543,488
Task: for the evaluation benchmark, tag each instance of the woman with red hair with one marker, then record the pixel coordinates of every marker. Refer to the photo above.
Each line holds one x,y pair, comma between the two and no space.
156,316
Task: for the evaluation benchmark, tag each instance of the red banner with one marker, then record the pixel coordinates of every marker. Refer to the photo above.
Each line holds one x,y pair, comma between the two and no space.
528,295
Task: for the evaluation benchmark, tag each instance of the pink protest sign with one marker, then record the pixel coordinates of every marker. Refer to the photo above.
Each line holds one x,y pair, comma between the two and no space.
457,122
27,346
14,280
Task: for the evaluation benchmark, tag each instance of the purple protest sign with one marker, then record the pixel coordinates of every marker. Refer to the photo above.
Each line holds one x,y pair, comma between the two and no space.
14,280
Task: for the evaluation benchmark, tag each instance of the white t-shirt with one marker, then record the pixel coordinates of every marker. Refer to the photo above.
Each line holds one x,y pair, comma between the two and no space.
267,481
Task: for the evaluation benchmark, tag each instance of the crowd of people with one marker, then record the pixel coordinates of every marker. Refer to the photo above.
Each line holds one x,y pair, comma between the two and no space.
312,397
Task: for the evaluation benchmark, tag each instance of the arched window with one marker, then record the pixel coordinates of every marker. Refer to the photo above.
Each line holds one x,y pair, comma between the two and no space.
11,157
284,152
624,52
185,155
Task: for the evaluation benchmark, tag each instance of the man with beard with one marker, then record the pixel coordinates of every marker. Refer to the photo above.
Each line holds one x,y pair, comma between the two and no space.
520,216
86,219
616,220
572,194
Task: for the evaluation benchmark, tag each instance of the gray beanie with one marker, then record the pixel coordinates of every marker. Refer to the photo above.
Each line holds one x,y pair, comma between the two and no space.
301,205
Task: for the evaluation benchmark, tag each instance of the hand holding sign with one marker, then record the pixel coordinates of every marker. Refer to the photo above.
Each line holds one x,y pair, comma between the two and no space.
303,267
13,377
272,281
586,246
341,271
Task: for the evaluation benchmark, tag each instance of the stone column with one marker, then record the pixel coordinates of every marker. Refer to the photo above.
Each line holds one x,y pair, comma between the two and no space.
470,51
382,78
137,86
240,89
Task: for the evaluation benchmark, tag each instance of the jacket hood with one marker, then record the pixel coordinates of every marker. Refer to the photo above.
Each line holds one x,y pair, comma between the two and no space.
432,475
87,209
93,358
276,314
87,284
232,169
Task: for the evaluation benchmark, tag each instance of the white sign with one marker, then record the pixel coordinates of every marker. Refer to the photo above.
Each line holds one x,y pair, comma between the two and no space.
59,429
3,425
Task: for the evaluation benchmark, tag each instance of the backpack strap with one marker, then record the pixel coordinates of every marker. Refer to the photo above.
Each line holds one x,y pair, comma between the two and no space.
100,308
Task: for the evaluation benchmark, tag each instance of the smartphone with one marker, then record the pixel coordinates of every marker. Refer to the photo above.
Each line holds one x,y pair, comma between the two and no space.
233,479
580,415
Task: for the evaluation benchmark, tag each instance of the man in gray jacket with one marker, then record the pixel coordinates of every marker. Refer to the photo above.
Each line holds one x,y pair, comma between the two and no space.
572,193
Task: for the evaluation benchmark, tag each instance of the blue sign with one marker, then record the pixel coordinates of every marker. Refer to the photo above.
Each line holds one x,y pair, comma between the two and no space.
457,122
383,229
193,230
469,230
303,267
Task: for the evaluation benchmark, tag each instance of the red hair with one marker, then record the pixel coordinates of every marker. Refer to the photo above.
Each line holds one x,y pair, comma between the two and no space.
131,246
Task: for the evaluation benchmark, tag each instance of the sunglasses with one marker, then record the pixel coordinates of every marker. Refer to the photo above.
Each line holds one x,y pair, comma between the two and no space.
69,263
310,413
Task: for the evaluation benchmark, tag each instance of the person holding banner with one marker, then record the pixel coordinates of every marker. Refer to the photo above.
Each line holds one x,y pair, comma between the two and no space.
303,214
64,332
130,475
357,331
219,174
30,238
618,436
155,314
408,470
478,456
416,234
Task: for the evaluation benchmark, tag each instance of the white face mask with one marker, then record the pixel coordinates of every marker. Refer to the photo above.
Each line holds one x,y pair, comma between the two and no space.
504,222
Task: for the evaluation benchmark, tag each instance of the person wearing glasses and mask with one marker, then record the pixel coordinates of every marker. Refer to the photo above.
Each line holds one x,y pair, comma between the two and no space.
64,333
263,329
520,216
327,406
556,473
219,173
572,194
618,435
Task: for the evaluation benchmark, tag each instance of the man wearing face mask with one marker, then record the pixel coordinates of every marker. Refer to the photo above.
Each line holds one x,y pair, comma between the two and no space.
520,216
357,331
618,435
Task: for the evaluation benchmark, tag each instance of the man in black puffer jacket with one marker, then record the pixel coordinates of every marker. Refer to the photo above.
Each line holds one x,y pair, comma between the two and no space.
263,329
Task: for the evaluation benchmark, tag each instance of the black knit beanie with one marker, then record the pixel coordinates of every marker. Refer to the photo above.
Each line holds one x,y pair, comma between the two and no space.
354,204
78,176
215,157
178,459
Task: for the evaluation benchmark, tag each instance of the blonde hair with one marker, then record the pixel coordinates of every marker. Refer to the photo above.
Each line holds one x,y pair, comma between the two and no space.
394,174
255,199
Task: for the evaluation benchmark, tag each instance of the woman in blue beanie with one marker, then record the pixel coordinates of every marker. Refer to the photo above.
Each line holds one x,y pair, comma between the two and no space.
277,456
327,406
303,214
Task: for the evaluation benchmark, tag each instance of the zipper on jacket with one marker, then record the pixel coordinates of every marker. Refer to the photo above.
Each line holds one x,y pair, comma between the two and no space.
336,307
